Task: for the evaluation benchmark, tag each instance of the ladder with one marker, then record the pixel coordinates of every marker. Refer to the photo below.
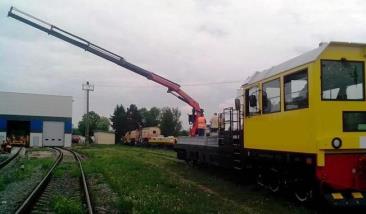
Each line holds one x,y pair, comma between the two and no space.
231,136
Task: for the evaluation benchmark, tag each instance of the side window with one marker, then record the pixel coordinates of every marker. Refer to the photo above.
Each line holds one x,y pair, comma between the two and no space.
252,101
271,96
296,90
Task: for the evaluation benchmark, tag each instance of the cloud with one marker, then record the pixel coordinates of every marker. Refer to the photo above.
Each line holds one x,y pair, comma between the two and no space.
193,41
213,31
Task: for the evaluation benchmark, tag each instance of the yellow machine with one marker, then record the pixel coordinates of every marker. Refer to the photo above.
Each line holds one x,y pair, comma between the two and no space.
148,136
308,110
163,141
131,137
302,127
313,106
148,133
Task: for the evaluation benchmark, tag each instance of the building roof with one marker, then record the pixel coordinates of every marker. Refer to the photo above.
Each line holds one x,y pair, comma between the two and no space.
15,93
303,59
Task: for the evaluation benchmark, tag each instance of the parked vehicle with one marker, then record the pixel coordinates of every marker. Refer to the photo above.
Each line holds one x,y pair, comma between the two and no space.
300,127
150,136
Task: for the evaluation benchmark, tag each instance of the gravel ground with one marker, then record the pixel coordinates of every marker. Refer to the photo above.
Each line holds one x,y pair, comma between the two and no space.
4,156
62,194
66,186
103,198
17,190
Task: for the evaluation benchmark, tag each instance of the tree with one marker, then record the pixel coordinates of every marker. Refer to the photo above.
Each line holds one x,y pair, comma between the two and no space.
134,119
119,122
183,133
144,113
150,117
93,120
75,131
154,114
170,123
103,124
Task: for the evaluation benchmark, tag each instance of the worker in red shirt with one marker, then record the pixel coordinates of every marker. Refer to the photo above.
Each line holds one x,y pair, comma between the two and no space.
201,120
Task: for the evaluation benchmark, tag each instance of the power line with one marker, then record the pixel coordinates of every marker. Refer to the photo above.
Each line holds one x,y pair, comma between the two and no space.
183,85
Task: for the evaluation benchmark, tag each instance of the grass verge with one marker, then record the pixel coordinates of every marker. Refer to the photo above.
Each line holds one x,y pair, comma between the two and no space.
23,169
153,181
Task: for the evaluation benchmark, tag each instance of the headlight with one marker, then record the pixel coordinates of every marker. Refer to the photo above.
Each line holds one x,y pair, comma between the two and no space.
336,143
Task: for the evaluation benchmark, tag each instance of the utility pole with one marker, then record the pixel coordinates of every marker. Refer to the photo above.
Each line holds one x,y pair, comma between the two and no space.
87,87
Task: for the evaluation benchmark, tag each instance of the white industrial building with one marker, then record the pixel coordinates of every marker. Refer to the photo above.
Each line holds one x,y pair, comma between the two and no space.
39,120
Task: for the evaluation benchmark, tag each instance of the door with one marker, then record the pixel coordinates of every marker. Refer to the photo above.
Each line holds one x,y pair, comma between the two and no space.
53,133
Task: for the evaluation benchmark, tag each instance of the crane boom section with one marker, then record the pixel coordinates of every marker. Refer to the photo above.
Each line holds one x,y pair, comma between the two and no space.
103,53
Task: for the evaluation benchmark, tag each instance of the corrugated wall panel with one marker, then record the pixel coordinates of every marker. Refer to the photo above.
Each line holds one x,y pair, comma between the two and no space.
35,105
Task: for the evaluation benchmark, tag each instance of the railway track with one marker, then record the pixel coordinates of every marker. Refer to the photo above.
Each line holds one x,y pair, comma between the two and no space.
63,185
12,157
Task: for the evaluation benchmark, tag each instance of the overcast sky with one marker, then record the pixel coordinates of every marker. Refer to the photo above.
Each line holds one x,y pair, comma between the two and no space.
195,43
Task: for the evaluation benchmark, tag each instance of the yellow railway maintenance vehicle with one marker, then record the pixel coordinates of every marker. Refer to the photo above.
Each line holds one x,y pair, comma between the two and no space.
301,126
162,141
148,136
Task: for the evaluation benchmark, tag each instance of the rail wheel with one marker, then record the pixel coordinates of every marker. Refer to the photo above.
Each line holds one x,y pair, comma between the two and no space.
274,185
260,179
303,191
191,163
274,181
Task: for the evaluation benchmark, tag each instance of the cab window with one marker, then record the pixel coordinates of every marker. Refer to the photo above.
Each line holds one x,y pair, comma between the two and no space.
354,121
342,80
252,102
271,96
296,90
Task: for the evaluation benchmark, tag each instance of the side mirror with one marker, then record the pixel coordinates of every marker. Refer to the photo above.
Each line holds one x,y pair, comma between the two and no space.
237,104
252,101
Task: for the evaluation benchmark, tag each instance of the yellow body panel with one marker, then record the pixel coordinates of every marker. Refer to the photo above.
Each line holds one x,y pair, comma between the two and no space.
307,130
162,140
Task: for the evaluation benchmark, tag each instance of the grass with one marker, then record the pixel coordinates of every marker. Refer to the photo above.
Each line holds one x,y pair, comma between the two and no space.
68,167
23,169
153,181
64,205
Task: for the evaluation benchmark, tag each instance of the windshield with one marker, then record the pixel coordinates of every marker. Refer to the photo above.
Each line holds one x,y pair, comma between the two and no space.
342,80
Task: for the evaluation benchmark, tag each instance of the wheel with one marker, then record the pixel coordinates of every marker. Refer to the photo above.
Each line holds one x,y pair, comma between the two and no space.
274,185
260,179
191,163
303,196
302,191
274,181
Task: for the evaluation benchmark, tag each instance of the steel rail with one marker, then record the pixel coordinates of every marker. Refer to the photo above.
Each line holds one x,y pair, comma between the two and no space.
83,180
5,162
37,191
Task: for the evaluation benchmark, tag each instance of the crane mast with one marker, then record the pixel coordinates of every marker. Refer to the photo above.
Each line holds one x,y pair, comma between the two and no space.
173,87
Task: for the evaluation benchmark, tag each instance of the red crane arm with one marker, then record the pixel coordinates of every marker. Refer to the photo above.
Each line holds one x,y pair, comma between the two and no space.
50,29
174,87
